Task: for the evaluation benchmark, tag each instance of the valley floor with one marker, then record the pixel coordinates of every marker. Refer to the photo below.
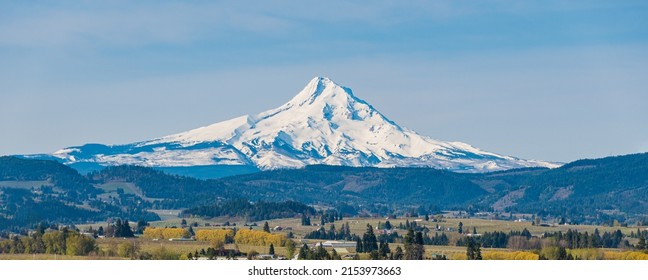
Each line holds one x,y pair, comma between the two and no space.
148,248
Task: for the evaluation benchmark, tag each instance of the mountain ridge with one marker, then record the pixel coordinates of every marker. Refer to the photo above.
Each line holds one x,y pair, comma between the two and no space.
589,191
325,123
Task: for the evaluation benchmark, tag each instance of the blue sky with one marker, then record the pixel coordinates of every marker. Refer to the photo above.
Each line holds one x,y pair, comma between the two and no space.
550,80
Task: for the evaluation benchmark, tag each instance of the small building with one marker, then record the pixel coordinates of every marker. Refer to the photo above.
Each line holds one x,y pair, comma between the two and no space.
339,244
265,257
181,239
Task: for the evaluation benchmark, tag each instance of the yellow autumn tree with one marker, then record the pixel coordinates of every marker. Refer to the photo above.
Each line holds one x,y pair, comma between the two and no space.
629,255
165,233
258,238
214,235
518,255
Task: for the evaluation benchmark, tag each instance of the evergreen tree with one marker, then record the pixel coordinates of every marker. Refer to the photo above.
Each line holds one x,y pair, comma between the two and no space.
460,229
141,225
414,249
359,247
384,250
126,230
473,249
562,254
331,233
305,220
266,227
271,250
369,241
118,228
347,231
320,253
374,255
418,246
335,255
304,253
398,254
642,243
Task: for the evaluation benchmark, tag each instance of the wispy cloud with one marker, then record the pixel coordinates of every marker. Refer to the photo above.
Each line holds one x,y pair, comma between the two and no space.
130,23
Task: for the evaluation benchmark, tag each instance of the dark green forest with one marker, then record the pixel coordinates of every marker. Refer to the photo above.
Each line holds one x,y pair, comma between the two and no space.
253,211
594,191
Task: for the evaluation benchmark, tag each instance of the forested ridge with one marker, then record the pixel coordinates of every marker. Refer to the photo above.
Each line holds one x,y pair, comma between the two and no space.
584,191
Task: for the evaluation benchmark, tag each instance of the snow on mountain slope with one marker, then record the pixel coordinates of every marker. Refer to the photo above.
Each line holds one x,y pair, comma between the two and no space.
324,124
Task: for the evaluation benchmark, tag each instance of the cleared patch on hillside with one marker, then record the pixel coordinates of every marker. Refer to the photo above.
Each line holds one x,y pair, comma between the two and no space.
24,184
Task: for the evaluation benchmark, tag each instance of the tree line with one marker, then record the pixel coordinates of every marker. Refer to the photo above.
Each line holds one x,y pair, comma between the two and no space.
60,242
261,210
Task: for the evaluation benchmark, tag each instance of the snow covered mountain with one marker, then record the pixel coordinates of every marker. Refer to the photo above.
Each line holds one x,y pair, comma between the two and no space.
324,124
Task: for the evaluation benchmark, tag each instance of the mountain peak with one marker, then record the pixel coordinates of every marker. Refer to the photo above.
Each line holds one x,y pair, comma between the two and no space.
321,88
323,124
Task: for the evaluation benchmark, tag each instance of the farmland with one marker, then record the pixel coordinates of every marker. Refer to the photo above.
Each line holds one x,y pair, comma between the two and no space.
162,248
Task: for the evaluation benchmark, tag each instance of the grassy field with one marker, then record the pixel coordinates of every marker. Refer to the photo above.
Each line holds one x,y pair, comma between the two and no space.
110,188
128,188
358,226
177,247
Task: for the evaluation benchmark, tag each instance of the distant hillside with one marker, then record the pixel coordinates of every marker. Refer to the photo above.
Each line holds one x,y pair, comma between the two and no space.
51,172
591,189
363,185
40,190
173,191
585,191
